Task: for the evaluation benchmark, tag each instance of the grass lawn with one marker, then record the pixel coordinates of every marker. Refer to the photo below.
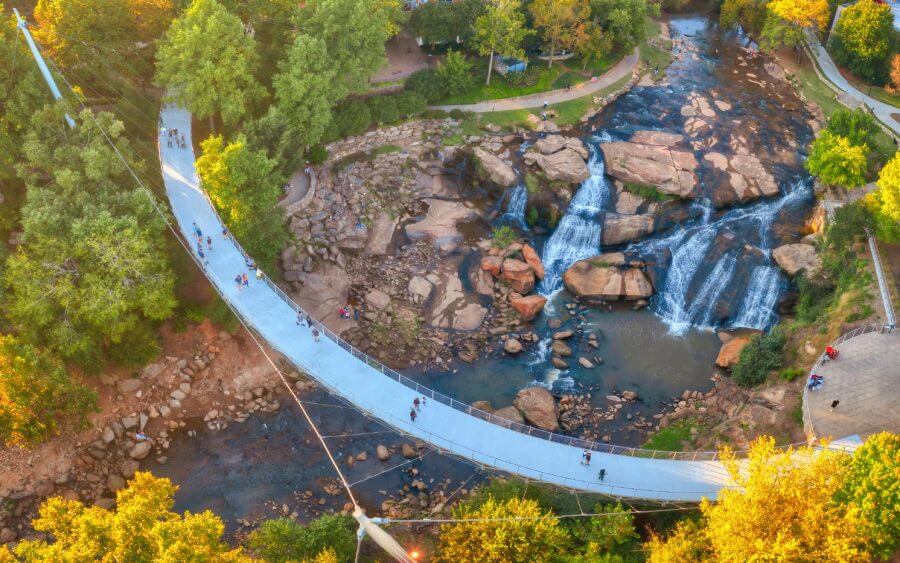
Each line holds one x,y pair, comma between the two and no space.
669,439
655,58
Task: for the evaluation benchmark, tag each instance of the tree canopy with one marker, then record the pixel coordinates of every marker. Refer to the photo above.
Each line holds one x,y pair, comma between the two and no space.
863,39
625,21
885,201
141,528
302,88
283,539
244,187
208,63
562,22
37,396
837,161
75,32
501,30
92,276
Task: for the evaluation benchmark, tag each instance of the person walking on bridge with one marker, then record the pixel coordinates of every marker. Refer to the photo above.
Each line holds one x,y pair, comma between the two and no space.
412,415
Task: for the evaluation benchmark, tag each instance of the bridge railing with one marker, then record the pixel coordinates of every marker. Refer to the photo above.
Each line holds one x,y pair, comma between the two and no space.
449,401
809,427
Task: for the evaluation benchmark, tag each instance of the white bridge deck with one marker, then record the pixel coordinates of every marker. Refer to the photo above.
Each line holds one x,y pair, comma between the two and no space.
383,397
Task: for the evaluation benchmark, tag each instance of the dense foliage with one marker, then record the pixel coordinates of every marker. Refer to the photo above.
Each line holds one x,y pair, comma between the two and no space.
501,30
244,187
793,507
863,39
283,539
37,396
761,356
141,528
837,161
885,201
92,276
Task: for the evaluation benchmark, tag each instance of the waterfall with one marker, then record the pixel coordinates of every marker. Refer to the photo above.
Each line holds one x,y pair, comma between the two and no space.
700,312
758,304
515,206
687,257
578,234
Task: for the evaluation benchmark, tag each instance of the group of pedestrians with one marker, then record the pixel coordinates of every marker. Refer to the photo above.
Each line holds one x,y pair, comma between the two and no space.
174,139
198,233
305,320
416,407
586,460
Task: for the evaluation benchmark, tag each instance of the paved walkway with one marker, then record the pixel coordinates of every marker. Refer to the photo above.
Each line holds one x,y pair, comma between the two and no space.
388,400
610,77
883,111
865,378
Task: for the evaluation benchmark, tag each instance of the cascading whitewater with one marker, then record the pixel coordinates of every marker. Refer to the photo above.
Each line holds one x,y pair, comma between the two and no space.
758,303
688,251
700,312
578,234
515,206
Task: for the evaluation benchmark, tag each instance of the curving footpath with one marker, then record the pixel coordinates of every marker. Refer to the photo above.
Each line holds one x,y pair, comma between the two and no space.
444,427
622,69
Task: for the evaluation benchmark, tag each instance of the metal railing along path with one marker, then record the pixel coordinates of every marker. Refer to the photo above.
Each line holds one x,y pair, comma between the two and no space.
808,427
431,394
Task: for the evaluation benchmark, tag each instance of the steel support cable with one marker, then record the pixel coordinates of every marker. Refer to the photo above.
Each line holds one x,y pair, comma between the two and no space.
389,469
529,518
249,330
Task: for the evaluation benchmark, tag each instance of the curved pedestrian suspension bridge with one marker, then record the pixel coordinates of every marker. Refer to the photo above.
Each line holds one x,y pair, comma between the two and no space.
376,390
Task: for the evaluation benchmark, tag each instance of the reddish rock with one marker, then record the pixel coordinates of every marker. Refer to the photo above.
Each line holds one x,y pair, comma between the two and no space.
528,307
519,275
532,259
538,407
492,264
731,351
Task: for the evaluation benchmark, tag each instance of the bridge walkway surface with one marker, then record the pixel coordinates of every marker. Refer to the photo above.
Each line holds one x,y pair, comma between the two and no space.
379,394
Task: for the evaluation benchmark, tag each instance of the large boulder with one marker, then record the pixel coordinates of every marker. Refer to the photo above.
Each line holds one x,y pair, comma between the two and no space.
550,144
492,264
512,346
658,138
528,307
323,293
566,165
420,289
795,258
510,413
519,275
669,171
619,229
498,171
452,308
439,224
747,178
377,299
381,233
538,407
532,259
731,351
594,279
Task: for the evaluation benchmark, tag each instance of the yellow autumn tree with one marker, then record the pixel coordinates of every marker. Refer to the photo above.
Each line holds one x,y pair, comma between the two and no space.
492,537
802,13
885,201
782,510
141,528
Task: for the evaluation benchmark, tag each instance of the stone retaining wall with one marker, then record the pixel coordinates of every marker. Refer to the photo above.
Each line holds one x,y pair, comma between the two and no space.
402,135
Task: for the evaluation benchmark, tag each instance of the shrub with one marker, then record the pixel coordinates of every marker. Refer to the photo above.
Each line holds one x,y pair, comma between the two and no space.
317,154
532,183
456,73
503,237
384,109
857,125
283,539
457,114
759,357
863,38
435,114
790,374
410,103
532,217
351,117
427,83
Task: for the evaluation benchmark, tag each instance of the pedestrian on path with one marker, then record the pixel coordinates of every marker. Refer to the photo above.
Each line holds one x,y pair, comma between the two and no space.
412,415
602,475
299,318
245,280
423,401
237,280
315,333
583,456
835,403
546,103
416,404
224,232
259,274
587,457
209,242
308,320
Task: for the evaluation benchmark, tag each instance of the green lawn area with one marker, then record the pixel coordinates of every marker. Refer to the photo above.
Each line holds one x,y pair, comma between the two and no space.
669,439
655,58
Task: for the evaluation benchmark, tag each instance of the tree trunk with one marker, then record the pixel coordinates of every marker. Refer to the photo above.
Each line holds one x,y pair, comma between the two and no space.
490,68
212,125
552,50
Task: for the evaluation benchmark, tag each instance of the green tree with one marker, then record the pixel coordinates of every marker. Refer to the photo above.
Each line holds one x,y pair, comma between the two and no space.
207,63
92,276
76,32
274,134
778,33
283,539
838,162
354,32
857,125
492,536
437,22
455,71
37,396
602,536
761,356
244,187
594,45
872,487
561,22
141,528
863,39
748,14
501,30
303,90
625,21
885,201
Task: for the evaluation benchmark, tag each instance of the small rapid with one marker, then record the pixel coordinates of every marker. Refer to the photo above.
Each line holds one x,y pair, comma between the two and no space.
758,303
515,207
578,234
